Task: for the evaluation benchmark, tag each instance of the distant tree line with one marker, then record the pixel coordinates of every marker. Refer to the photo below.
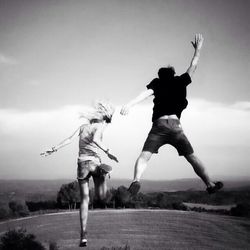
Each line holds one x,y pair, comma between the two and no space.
15,208
68,197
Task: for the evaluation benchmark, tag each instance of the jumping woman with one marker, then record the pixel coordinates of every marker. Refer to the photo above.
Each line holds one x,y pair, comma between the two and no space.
89,161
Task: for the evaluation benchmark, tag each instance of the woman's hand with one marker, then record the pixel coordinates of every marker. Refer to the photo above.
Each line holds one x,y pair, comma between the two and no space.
48,152
112,157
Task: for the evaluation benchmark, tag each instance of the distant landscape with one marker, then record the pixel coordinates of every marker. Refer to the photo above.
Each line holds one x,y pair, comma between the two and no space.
44,203
20,198
49,188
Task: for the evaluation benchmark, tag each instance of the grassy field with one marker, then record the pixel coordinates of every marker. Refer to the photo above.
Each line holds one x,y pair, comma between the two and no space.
140,229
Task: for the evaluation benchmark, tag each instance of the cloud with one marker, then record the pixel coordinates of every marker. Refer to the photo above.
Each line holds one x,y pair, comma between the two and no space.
208,122
16,121
6,60
217,123
242,105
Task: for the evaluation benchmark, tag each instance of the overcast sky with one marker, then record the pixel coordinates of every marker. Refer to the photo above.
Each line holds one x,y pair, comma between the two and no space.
57,56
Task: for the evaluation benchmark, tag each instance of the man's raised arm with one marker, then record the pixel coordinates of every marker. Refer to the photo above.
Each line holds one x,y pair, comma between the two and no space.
197,44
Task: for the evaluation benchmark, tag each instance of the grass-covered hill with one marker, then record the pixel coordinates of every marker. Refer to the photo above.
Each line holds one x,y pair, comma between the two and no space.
139,229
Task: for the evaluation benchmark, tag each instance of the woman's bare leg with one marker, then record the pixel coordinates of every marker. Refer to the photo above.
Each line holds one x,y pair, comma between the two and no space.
84,205
100,189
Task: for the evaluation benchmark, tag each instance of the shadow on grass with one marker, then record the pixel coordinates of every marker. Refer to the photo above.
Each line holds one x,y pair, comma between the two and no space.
246,226
126,247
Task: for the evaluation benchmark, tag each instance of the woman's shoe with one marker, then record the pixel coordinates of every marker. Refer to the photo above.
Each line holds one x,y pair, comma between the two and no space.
83,240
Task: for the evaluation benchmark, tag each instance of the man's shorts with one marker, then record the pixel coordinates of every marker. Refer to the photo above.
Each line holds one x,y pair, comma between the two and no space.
167,131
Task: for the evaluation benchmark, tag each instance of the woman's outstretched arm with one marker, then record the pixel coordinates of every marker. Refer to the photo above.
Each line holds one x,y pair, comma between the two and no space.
63,143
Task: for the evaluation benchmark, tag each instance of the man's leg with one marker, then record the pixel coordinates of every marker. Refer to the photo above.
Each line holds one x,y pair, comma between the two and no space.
200,170
140,166
84,207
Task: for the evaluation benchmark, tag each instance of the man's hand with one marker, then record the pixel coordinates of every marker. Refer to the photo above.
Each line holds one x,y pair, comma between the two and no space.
198,41
112,157
197,44
125,110
48,152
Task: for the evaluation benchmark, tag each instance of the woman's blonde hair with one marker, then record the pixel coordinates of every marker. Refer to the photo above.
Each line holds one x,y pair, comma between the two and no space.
102,111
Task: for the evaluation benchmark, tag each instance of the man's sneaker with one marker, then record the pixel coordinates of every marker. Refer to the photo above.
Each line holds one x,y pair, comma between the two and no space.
134,188
83,240
217,186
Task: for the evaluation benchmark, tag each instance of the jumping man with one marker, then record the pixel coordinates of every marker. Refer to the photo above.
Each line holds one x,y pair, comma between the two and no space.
169,93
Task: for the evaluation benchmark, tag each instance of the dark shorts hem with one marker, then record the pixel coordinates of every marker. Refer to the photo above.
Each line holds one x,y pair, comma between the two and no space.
168,131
